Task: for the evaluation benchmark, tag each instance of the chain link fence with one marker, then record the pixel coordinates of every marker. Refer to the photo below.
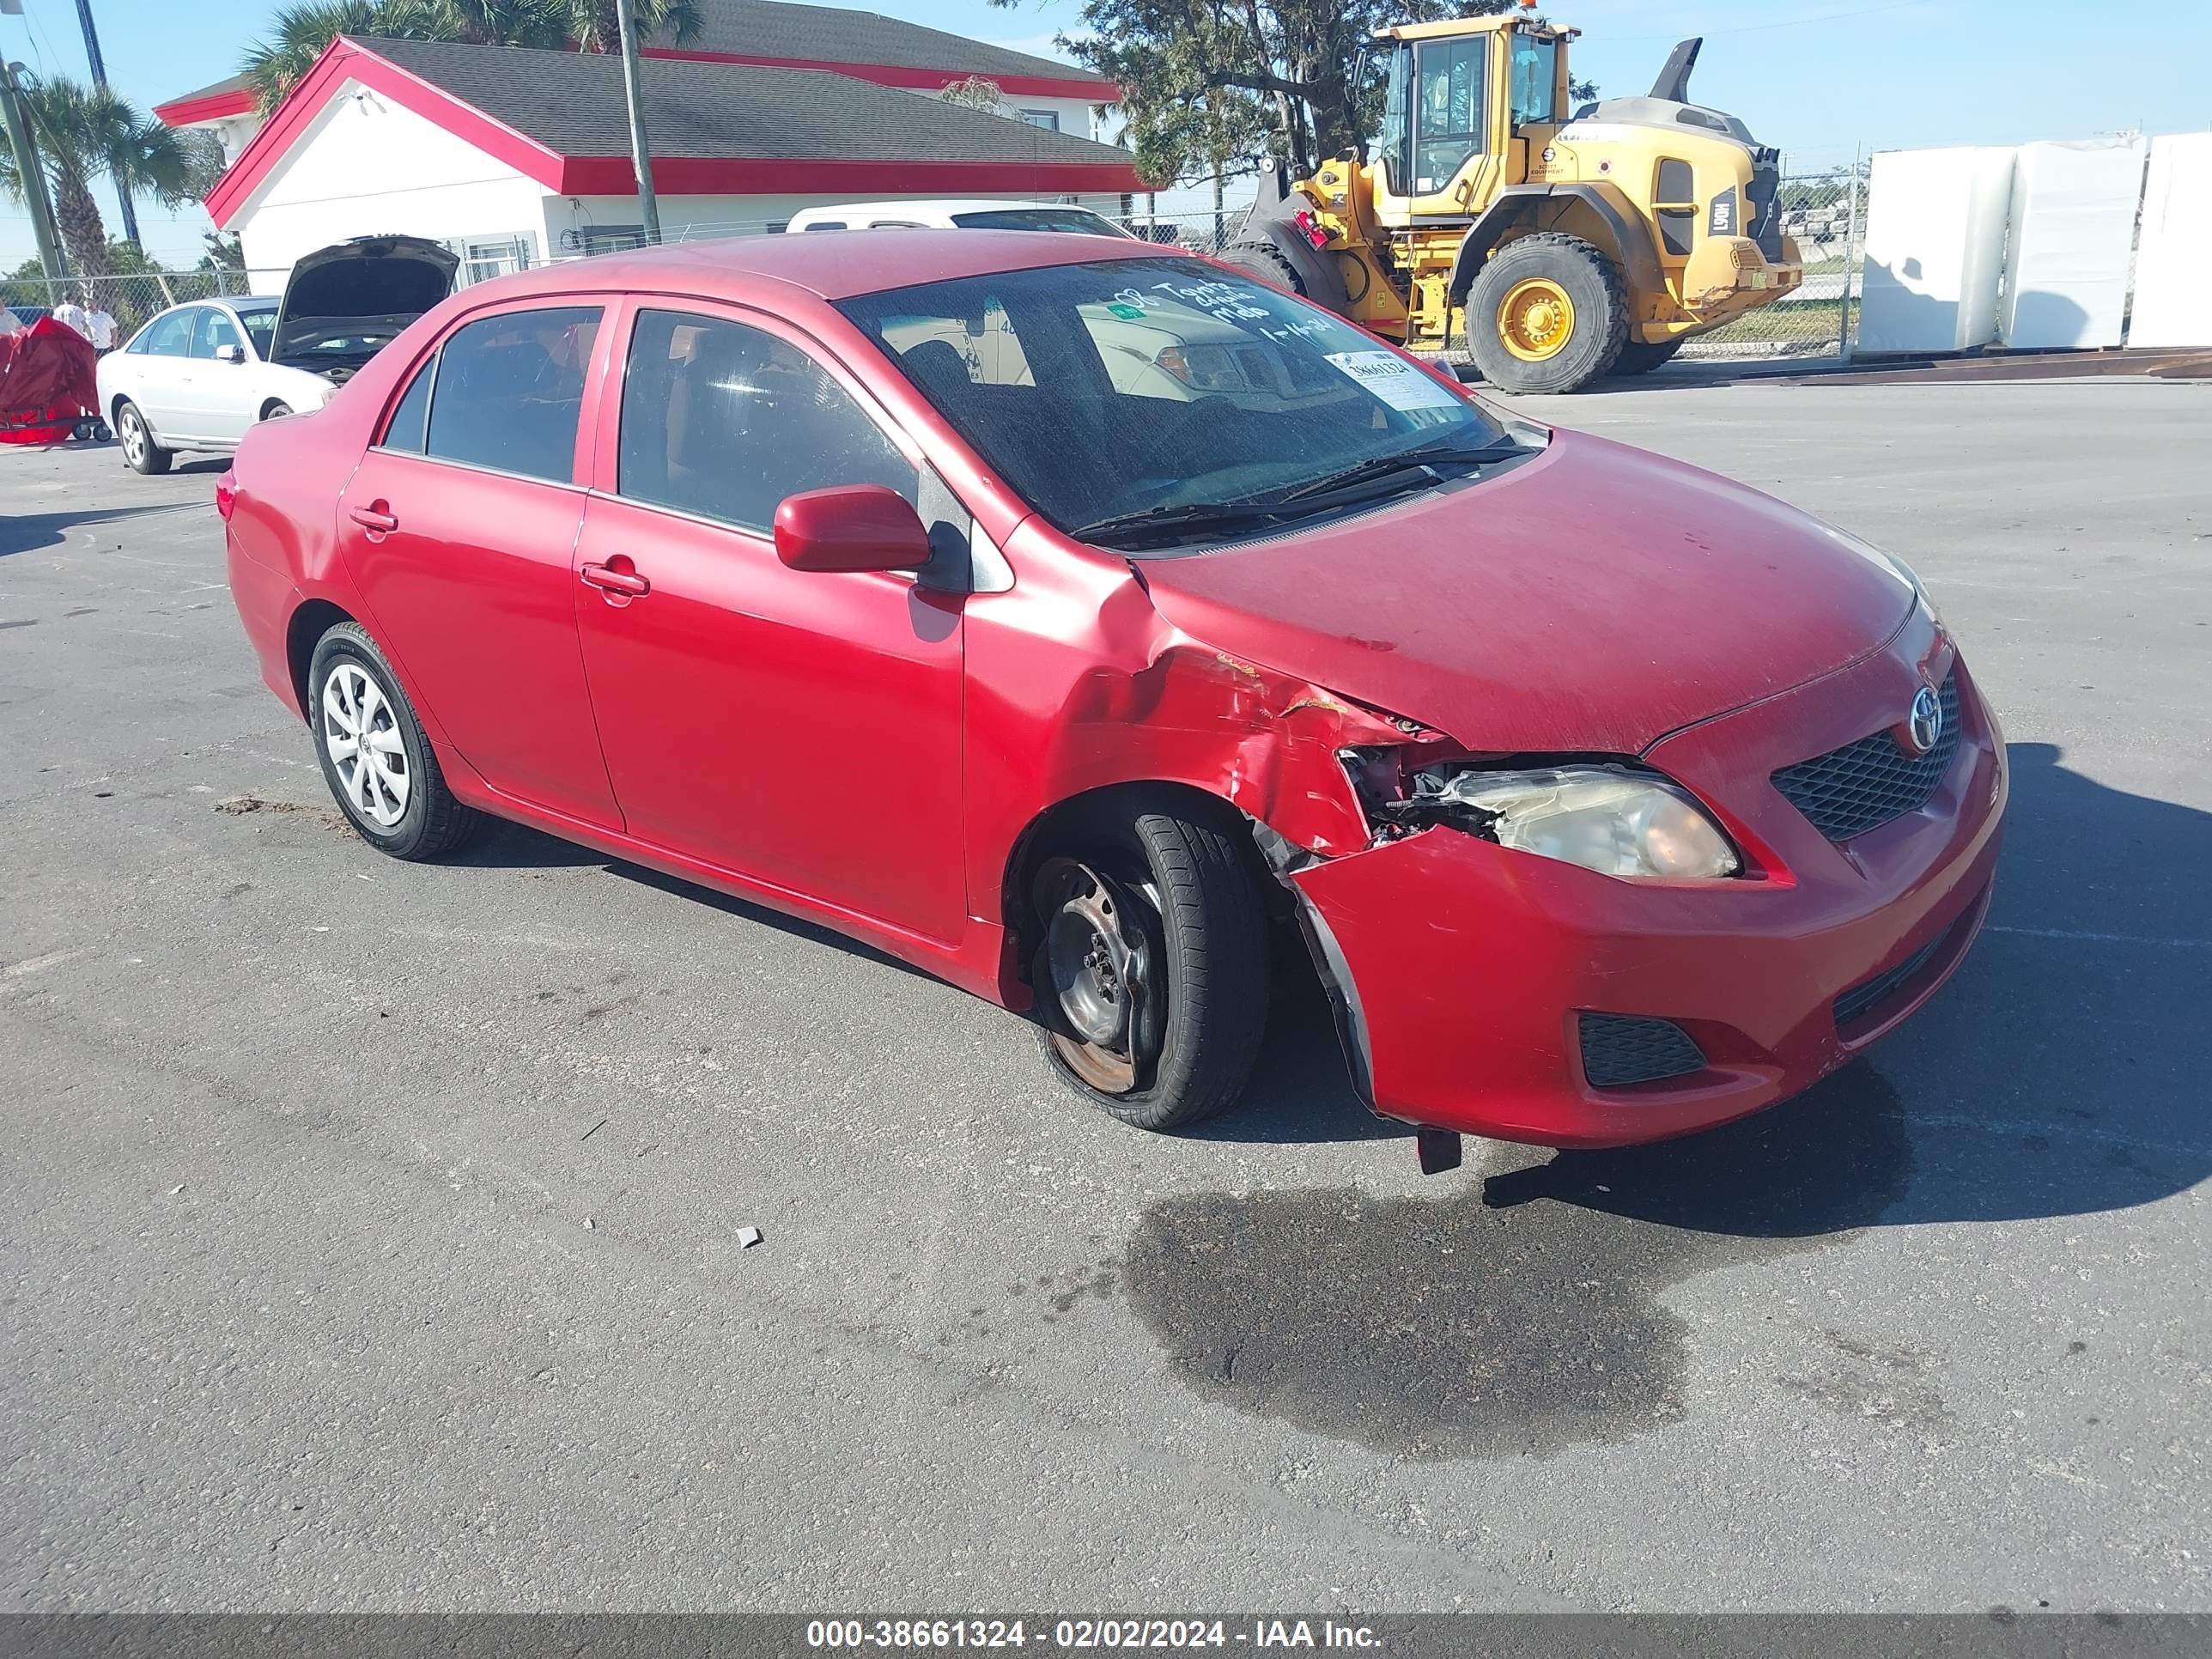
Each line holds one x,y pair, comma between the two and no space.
132,298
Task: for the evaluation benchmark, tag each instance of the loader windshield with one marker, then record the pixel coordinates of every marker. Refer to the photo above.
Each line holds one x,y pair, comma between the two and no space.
1161,386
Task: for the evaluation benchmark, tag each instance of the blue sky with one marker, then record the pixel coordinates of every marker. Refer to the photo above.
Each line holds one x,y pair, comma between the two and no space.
1820,78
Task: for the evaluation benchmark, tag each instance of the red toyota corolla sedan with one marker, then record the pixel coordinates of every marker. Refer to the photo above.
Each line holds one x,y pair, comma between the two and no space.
1083,622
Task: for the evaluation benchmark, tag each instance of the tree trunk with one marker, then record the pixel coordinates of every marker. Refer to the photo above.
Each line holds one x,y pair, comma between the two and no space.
1286,108
83,232
606,26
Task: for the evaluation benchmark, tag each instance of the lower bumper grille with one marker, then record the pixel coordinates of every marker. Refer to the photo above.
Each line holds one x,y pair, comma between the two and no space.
1867,997
1619,1049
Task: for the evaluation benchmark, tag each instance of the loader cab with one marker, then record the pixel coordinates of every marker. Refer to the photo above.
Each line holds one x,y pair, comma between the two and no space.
1465,103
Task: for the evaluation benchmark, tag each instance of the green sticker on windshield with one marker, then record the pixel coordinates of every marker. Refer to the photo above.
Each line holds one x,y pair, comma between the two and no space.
1127,313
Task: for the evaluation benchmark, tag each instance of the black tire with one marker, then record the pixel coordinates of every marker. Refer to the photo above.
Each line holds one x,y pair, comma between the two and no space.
1209,930
140,452
1267,262
1638,358
432,822
1592,284
278,408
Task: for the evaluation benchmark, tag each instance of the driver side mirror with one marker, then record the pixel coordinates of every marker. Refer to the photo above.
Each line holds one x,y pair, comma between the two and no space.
230,353
850,527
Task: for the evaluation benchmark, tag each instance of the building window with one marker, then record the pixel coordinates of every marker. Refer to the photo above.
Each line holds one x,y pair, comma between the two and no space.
1047,119
496,256
612,238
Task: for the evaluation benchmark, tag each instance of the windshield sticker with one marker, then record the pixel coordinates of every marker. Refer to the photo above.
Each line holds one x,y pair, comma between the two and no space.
1393,380
1127,313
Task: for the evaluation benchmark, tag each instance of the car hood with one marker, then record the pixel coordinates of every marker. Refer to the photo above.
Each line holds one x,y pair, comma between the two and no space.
1591,600
388,281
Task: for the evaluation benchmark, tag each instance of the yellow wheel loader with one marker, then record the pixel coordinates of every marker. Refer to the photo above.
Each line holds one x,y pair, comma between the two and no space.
1560,249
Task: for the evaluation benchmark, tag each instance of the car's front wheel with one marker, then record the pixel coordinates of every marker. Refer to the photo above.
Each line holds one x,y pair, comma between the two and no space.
140,451
1150,965
378,765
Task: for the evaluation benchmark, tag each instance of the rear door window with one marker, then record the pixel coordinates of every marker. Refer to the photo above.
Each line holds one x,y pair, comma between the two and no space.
411,418
725,421
510,389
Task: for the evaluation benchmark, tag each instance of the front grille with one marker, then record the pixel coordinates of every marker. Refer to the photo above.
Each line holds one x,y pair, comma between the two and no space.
1865,998
1867,784
1619,1049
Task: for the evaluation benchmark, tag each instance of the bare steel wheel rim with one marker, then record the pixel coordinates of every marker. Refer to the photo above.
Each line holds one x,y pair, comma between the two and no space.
360,734
133,434
1100,963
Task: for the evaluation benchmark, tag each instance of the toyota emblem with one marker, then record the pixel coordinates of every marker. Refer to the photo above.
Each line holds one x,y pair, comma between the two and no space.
1923,726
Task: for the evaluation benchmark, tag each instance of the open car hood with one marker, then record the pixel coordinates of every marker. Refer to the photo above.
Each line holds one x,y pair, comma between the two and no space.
370,288
1589,601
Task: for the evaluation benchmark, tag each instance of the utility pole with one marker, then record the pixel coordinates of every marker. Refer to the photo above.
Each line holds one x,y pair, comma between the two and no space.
99,79
640,153
33,177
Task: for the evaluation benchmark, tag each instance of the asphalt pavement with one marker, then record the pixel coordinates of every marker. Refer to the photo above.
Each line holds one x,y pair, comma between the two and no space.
372,1231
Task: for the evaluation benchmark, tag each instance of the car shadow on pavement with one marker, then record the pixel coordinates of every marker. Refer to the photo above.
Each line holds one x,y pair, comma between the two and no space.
27,532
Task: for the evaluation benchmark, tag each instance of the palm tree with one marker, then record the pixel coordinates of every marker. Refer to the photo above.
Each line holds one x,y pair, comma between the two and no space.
83,133
304,31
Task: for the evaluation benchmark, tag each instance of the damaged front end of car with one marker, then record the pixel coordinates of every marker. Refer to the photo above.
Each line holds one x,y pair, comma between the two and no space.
1606,814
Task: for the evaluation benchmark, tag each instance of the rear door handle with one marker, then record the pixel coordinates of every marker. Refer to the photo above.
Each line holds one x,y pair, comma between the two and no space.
375,518
615,581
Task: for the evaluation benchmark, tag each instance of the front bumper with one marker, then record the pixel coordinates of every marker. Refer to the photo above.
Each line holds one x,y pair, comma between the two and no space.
1465,968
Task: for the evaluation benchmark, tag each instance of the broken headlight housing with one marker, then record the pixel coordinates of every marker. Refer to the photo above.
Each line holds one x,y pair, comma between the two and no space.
1617,820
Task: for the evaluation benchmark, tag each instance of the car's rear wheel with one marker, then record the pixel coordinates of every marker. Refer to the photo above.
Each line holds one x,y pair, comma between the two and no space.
1150,965
140,451
380,767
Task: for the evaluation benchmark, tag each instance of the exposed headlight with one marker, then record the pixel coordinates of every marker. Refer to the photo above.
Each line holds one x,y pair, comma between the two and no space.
1606,818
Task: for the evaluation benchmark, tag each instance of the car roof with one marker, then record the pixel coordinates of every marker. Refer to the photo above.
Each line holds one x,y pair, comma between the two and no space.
827,267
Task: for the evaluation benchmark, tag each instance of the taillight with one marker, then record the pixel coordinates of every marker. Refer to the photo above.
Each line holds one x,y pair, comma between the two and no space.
226,493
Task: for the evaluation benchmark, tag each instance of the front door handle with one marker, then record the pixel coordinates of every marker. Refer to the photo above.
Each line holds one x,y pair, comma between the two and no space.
613,580
375,517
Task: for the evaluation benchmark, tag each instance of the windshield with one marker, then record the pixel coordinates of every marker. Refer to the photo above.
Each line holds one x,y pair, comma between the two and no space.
1130,386
1045,218
261,326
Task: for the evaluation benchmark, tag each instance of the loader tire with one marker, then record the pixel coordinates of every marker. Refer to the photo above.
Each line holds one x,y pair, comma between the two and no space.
1638,358
1547,314
1267,262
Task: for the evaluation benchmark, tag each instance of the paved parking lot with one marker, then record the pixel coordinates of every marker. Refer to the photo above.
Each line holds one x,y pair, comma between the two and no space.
372,1228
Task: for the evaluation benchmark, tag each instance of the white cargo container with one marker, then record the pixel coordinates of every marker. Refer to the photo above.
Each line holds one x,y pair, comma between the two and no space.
1934,248
2072,239
2174,261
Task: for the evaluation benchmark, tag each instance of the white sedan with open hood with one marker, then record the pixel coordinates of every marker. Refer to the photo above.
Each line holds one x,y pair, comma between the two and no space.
198,375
